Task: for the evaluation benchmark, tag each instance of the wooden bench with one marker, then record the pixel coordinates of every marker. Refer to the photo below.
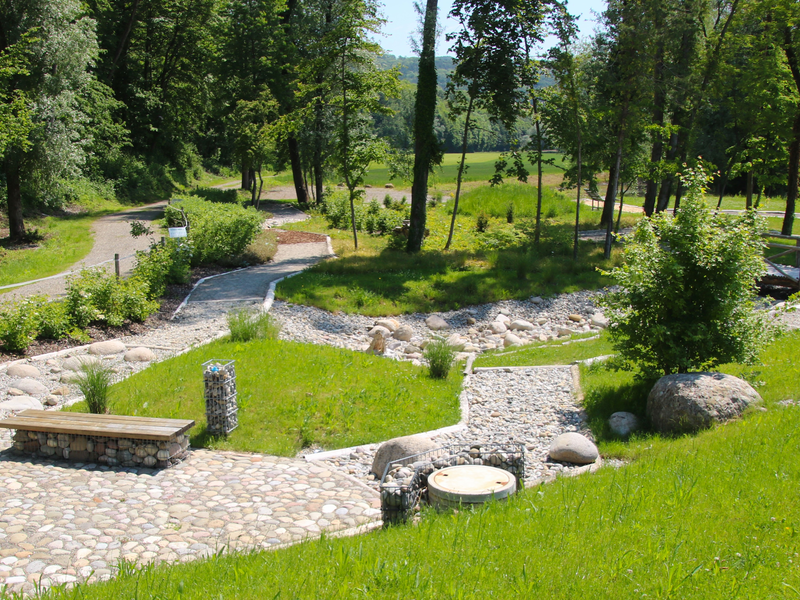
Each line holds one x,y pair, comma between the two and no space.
597,200
106,439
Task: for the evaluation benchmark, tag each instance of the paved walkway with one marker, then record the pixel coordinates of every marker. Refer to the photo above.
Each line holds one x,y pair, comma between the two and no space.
62,523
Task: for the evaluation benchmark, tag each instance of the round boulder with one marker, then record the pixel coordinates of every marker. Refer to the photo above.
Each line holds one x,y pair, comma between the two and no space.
140,354
573,448
31,387
687,402
623,423
378,330
21,403
107,347
75,363
398,448
436,323
390,324
23,371
511,340
404,333
497,327
521,325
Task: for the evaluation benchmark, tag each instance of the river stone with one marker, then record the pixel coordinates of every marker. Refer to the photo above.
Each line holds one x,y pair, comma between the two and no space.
575,318
497,327
107,347
23,371
511,340
70,377
398,448
564,331
436,323
75,363
31,387
537,300
21,403
61,391
51,400
502,318
623,423
390,324
521,325
140,354
412,349
599,320
456,342
379,331
15,392
687,402
574,448
404,333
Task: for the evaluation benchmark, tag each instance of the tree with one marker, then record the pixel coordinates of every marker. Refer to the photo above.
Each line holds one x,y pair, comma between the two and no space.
427,151
46,144
494,69
687,288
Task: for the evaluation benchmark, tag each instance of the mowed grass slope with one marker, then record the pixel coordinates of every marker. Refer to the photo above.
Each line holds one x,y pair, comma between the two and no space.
709,517
293,395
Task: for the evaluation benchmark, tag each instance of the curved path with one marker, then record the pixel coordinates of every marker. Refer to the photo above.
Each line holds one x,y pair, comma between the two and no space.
112,235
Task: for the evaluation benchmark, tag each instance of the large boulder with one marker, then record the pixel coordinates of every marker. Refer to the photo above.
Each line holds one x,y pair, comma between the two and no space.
23,370
398,448
21,403
573,448
688,402
31,387
623,423
76,363
521,325
404,333
107,348
390,324
140,354
497,327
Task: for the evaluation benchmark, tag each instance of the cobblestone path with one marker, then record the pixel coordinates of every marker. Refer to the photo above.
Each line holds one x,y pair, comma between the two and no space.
62,523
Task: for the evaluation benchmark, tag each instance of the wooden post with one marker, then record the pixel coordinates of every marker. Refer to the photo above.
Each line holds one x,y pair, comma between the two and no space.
116,265
163,241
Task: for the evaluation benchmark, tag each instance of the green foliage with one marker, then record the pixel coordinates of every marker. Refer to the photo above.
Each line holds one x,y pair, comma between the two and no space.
440,356
372,218
216,231
94,382
96,295
54,320
162,265
19,323
482,223
685,300
498,200
248,324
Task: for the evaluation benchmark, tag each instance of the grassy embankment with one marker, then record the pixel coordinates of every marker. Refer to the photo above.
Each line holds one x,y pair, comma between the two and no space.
710,516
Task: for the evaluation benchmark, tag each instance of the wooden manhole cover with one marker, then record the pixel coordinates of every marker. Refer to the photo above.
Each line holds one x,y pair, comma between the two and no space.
469,484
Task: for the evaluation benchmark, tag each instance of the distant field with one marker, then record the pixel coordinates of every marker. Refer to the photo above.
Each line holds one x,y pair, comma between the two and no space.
480,168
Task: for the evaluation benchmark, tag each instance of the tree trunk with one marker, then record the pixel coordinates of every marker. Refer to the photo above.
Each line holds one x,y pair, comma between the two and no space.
538,228
611,196
460,173
297,170
260,187
794,148
245,175
659,99
580,184
16,223
619,214
666,185
425,144
748,203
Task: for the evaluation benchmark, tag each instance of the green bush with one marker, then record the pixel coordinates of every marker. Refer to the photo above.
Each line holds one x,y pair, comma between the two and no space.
19,323
687,288
54,321
372,218
163,264
96,295
440,356
217,231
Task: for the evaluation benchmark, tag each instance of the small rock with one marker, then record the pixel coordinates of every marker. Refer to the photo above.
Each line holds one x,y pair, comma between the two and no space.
23,371
599,320
51,400
574,448
521,325
436,323
564,331
404,333
497,327
412,349
504,311
15,392
140,354
456,342
70,377
495,414
541,320
575,318
623,423
378,331
502,318
389,186
390,324
106,348
31,387
471,321
537,300
511,340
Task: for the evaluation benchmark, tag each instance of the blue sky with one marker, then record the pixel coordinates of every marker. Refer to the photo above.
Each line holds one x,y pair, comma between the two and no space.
401,21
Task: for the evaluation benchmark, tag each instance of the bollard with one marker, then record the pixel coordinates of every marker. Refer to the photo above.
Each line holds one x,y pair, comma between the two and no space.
116,265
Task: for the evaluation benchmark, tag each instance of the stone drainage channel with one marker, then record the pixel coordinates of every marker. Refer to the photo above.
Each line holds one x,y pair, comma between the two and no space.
64,523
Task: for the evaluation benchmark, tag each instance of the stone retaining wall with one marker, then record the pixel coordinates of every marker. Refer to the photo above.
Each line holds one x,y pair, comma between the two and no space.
406,481
124,452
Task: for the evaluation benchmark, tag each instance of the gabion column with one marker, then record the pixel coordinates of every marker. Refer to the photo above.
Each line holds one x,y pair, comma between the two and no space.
219,377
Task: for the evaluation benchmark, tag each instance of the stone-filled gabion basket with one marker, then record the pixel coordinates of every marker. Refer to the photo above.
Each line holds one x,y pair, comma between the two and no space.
219,377
109,451
405,481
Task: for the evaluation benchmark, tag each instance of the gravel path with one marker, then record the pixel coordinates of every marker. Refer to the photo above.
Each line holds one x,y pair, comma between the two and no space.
112,235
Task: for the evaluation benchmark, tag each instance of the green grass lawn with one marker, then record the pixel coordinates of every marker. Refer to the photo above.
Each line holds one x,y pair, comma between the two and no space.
711,516
293,395
555,352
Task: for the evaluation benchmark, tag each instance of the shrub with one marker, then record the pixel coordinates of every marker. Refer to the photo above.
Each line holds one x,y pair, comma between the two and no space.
687,287
163,264
19,323
96,295
482,223
217,231
248,324
95,385
510,213
440,356
54,321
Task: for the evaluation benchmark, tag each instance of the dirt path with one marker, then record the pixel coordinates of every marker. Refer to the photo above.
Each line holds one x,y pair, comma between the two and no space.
111,236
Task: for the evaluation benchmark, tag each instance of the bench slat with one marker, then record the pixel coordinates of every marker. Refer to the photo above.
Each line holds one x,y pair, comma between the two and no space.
100,425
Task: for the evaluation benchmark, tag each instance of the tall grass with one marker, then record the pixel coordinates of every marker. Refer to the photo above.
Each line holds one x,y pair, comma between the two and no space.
440,356
94,382
520,199
247,324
